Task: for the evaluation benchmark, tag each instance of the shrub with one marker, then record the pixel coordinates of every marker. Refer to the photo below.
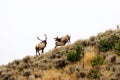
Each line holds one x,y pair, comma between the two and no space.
117,48
78,49
27,72
105,45
113,38
85,43
92,38
59,63
71,56
95,74
17,62
26,59
98,60
74,55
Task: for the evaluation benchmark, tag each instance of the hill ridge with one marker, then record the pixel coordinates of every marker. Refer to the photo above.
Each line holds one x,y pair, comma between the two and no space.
95,58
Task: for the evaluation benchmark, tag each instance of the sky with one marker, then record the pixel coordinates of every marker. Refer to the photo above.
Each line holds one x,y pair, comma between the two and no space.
21,21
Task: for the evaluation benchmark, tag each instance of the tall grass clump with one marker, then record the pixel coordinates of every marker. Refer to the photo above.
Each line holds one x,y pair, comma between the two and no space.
95,74
75,55
98,60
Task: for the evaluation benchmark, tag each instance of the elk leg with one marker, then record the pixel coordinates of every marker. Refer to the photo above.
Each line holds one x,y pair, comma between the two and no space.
55,46
69,42
39,53
36,52
42,50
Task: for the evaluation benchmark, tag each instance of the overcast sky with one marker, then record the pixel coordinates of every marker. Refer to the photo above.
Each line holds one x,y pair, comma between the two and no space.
21,21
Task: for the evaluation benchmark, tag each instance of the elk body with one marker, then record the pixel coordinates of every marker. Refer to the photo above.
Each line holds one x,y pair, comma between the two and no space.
41,45
62,41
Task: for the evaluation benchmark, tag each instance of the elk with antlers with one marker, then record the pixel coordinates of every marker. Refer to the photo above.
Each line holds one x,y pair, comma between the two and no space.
41,45
62,41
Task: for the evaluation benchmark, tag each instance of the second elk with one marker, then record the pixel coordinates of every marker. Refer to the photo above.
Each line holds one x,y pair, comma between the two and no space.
62,41
41,45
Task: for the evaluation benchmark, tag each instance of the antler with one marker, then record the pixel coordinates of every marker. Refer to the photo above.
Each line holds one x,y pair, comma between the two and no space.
39,38
56,37
45,36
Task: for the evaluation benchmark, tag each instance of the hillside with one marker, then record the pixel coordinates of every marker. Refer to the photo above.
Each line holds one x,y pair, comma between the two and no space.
96,58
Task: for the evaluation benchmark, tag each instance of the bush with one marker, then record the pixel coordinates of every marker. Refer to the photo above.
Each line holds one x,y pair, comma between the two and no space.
17,62
85,43
27,72
105,45
26,59
71,56
59,63
113,39
98,60
74,55
117,48
95,74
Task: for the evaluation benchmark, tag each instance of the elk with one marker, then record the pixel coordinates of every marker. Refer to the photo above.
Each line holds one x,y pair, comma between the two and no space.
66,38
41,45
62,41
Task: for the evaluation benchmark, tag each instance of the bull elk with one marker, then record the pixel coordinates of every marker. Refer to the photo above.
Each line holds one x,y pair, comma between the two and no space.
41,45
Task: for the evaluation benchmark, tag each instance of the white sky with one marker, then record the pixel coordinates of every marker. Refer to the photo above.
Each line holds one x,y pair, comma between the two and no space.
21,21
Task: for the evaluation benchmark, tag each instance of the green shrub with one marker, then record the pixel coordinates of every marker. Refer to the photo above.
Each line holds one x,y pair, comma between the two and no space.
105,45
78,51
98,60
95,74
113,39
74,55
117,48
71,56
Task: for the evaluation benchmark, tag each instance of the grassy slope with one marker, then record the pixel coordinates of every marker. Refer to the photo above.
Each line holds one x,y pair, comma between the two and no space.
54,65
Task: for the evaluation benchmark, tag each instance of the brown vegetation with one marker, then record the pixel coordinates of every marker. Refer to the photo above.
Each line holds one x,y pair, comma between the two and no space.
101,61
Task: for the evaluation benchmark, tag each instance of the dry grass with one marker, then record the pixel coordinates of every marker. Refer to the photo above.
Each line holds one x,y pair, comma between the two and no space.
60,74
88,58
69,72
107,74
51,74
44,66
90,53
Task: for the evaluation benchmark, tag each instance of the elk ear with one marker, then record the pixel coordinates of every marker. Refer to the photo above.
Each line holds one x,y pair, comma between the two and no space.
56,37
